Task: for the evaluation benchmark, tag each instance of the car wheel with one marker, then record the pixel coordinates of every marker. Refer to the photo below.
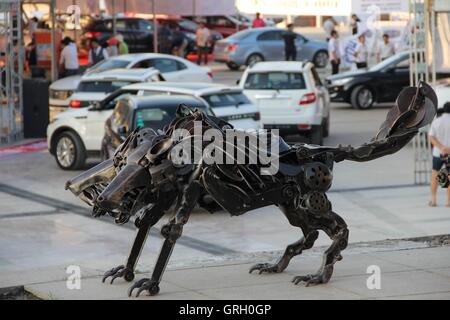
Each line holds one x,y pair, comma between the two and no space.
326,127
362,98
316,135
233,66
69,151
320,59
254,58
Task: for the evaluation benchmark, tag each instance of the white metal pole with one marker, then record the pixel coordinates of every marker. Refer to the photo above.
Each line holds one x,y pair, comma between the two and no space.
54,65
155,28
114,17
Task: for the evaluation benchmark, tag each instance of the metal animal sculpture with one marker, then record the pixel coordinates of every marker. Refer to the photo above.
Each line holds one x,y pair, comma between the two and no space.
143,181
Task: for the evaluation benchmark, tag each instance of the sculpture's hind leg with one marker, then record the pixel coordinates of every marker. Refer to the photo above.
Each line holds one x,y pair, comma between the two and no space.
171,232
297,218
335,227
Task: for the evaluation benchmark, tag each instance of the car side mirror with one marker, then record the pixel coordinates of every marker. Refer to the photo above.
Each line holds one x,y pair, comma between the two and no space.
237,81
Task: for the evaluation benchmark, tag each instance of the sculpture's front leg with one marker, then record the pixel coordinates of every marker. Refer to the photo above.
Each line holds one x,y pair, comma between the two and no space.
171,232
151,215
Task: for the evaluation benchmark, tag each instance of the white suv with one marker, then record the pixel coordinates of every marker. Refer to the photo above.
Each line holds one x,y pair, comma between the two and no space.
172,68
95,87
290,97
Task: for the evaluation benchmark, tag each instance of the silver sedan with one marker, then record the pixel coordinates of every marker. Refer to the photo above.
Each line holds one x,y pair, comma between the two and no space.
266,44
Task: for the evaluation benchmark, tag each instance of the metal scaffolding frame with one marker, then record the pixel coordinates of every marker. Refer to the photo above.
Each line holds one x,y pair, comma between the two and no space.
422,43
11,71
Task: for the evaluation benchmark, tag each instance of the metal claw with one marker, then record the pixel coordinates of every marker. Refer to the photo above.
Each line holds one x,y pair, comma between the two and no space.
112,272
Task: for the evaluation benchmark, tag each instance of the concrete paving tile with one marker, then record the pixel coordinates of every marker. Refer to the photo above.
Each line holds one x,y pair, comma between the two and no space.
438,257
41,275
222,277
280,291
92,288
395,284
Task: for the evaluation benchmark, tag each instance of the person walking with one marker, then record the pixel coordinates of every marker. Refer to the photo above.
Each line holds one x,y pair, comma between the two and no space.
258,22
68,60
202,37
112,48
289,37
361,53
354,21
439,135
386,49
334,52
122,45
33,26
164,38
97,53
179,43
329,26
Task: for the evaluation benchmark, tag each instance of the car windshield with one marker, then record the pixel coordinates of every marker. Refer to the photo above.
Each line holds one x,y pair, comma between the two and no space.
241,35
101,86
389,61
226,99
108,65
275,81
155,117
188,25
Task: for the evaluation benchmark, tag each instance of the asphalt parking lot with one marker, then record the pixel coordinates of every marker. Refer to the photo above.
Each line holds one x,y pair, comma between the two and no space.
44,226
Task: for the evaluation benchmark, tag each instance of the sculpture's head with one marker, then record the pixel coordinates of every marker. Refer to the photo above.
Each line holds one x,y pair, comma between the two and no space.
118,185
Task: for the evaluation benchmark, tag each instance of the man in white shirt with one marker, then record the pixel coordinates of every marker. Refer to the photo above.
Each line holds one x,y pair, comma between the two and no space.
440,139
386,49
202,38
361,52
334,52
68,59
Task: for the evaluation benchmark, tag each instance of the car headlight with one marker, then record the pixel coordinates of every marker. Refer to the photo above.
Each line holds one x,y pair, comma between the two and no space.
341,82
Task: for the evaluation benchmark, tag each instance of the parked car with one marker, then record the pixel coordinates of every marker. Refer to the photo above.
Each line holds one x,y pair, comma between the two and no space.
226,25
137,32
381,83
266,44
76,134
153,112
172,68
228,103
290,98
95,87
189,27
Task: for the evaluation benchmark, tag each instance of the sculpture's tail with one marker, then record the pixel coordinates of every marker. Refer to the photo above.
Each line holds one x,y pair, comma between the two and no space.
414,108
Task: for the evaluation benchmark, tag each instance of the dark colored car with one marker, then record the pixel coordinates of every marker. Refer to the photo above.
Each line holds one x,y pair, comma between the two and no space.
189,27
153,112
225,25
381,83
137,32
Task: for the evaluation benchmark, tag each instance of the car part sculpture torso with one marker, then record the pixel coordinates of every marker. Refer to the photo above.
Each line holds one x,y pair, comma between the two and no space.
144,180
